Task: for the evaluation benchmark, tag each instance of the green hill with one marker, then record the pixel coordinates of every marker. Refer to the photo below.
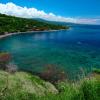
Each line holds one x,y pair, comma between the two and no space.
14,24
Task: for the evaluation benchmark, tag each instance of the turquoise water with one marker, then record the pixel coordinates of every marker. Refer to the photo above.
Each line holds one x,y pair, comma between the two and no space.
72,50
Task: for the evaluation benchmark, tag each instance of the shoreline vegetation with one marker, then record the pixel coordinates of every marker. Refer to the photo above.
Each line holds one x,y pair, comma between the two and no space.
25,86
15,33
13,25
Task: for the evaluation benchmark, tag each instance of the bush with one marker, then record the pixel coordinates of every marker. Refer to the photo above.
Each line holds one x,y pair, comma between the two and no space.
5,64
4,60
53,74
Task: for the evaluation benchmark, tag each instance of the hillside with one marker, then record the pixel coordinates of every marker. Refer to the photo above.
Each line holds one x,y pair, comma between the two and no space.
24,86
14,24
21,83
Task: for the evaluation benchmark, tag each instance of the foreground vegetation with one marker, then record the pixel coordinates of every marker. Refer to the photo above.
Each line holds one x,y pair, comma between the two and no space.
17,85
24,86
10,24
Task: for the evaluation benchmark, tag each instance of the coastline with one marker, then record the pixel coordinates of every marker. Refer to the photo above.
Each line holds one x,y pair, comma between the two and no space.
15,33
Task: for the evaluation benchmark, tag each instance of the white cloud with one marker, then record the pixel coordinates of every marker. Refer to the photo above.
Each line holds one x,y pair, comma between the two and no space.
89,20
15,10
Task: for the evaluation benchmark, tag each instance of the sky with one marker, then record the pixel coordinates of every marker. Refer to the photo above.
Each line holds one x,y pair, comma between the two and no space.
77,11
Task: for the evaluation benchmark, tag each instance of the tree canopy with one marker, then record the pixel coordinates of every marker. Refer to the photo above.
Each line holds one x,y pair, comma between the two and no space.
10,24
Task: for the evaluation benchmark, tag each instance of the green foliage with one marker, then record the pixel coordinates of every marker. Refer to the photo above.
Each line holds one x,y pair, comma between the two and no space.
95,70
89,89
14,24
24,86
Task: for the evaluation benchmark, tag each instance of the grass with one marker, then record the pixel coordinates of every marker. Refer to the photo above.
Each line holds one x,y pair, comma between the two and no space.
24,86
95,70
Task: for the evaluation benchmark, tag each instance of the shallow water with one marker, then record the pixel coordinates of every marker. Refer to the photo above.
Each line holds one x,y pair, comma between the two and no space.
72,50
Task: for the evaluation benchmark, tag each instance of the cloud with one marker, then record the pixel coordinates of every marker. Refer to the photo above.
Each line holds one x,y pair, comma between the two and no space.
89,20
15,10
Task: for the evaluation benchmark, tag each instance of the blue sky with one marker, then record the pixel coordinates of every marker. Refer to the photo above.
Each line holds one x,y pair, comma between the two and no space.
83,10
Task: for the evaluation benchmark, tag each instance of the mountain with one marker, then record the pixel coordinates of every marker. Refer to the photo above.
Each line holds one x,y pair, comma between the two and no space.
55,22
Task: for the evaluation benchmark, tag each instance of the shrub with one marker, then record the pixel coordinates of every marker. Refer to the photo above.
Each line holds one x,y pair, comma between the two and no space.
5,64
53,74
4,60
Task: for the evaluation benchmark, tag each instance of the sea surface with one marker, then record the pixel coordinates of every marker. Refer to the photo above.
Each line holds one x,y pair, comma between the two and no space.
76,51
